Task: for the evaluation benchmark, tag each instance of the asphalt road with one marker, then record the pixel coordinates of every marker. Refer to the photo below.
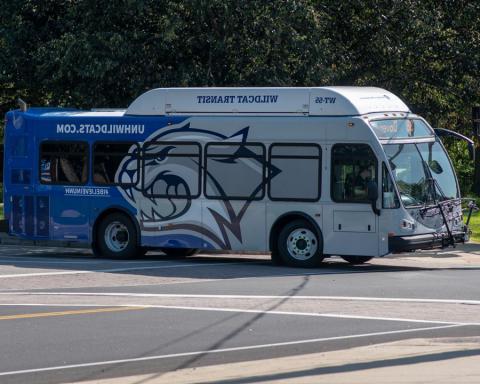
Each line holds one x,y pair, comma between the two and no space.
66,317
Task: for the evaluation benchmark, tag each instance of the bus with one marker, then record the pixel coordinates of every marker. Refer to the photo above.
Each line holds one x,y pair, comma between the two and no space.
301,173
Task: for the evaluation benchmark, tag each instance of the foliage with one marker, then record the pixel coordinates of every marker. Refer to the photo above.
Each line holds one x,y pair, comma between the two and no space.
463,164
474,226
100,53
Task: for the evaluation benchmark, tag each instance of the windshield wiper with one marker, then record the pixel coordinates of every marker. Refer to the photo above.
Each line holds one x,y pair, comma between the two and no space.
431,191
440,207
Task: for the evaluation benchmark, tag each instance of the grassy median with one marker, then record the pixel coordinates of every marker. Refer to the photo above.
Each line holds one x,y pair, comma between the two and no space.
475,227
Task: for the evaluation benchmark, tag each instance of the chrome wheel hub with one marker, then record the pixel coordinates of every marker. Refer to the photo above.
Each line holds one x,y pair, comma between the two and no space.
116,236
302,244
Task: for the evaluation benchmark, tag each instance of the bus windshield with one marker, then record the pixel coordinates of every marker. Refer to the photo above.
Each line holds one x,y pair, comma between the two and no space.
423,172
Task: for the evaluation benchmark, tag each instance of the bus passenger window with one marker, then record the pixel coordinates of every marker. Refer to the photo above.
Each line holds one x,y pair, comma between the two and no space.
171,169
234,171
63,162
115,163
294,172
353,167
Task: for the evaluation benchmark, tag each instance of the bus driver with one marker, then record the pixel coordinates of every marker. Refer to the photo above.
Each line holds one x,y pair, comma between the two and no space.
361,182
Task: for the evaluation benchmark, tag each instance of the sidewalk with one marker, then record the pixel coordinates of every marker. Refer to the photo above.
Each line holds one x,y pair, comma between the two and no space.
414,361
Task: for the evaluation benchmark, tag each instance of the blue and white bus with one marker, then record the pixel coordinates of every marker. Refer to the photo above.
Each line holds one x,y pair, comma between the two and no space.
303,173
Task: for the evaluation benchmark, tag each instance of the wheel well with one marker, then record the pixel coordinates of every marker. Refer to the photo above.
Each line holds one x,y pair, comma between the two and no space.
286,218
110,211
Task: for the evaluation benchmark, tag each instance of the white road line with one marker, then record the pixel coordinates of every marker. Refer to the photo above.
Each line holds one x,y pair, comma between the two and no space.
40,254
222,350
13,262
258,311
65,305
79,261
125,269
308,314
201,296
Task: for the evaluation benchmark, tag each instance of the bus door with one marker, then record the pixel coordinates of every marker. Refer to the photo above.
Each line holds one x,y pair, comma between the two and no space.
63,174
350,225
18,182
390,205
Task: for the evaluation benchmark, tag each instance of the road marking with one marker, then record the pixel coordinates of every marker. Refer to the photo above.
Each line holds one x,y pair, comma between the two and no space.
40,257
126,269
259,311
41,261
202,296
223,350
70,305
312,314
68,313
77,272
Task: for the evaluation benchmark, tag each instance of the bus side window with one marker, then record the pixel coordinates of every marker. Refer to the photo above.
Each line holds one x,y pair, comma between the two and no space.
63,162
353,166
294,172
171,169
115,163
235,171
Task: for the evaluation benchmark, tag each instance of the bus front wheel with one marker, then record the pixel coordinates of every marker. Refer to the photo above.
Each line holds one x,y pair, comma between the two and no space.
116,238
299,245
357,259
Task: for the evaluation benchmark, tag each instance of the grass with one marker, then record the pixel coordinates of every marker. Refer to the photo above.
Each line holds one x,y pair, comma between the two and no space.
475,227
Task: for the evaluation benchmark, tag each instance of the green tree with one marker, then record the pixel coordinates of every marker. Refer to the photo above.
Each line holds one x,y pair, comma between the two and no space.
89,53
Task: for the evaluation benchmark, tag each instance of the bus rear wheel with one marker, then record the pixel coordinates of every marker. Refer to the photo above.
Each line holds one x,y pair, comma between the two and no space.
299,245
116,238
357,259
179,252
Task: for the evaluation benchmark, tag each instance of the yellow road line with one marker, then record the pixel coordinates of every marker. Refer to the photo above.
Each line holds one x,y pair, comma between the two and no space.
68,313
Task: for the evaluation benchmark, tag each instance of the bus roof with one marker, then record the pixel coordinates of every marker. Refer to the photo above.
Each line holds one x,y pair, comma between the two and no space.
315,101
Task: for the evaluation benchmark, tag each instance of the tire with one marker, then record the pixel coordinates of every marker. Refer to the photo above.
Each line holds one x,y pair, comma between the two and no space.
357,259
299,245
179,252
116,238
276,259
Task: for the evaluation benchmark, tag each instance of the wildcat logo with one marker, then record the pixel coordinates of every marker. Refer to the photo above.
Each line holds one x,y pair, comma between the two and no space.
170,181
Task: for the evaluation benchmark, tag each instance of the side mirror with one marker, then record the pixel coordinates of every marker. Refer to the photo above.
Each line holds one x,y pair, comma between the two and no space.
440,132
372,194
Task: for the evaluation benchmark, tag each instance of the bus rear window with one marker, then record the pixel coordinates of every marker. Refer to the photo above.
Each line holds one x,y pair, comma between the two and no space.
63,162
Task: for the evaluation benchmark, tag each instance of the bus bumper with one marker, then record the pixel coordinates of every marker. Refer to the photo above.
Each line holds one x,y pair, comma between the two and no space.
398,244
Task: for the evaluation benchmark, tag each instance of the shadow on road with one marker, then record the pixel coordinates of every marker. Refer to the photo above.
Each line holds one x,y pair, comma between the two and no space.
216,344
201,266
